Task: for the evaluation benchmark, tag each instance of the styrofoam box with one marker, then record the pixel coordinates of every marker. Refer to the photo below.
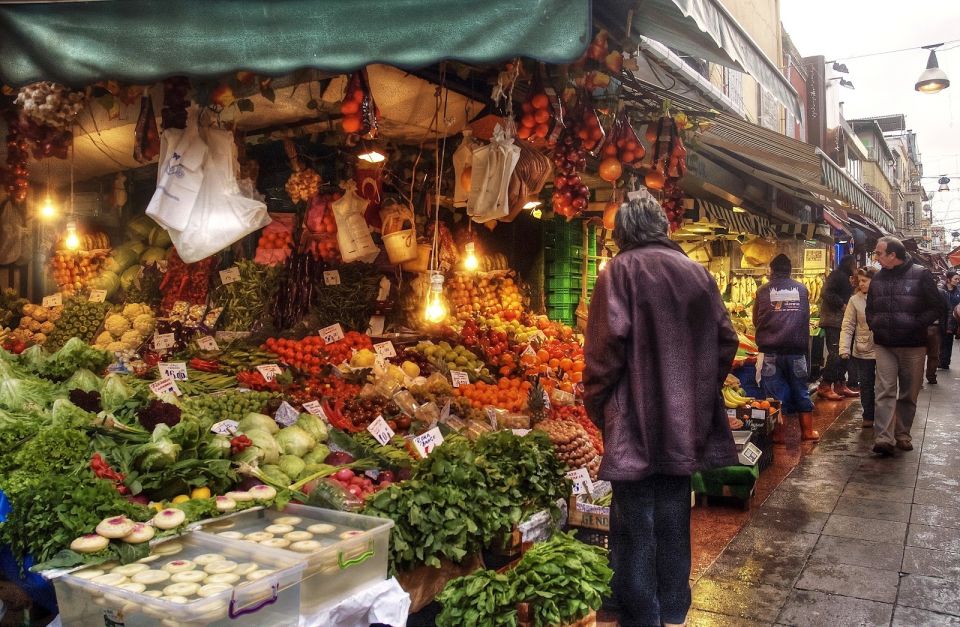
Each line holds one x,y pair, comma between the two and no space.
273,600
352,554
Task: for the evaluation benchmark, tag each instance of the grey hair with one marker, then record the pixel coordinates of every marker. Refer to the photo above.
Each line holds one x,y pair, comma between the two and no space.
895,246
639,221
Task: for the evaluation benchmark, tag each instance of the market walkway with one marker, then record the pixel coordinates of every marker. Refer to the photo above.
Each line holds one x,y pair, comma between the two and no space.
850,539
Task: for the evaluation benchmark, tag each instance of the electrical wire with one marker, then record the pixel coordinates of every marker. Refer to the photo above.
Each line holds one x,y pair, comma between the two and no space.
955,42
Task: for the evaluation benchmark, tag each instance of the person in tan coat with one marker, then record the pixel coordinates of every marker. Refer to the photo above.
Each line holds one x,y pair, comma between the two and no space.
856,340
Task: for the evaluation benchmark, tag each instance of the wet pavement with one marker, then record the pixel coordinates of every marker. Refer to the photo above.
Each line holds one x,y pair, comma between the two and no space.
848,538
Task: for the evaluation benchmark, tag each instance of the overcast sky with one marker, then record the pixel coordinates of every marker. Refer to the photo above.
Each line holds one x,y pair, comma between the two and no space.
839,29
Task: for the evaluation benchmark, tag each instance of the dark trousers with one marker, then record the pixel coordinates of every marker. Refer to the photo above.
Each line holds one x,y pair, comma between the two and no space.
650,550
933,351
836,369
946,348
866,370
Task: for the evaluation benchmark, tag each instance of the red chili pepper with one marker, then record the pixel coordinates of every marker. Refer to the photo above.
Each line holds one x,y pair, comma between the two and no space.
204,365
239,444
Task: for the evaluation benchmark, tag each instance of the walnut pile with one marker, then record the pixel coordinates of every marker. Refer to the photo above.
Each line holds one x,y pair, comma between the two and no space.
573,445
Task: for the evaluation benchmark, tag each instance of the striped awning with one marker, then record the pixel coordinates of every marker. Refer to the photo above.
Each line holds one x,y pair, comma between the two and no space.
807,231
837,221
840,181
706,212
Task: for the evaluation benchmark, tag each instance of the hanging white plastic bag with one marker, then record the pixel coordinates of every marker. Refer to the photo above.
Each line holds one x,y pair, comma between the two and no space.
179,175
353,234
463,168
493,165
222,214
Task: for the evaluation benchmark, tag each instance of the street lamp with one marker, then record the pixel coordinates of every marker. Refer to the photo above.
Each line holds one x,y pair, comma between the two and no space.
944,183
933,79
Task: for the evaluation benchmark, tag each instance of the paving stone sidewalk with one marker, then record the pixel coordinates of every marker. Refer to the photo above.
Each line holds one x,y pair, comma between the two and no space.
852,539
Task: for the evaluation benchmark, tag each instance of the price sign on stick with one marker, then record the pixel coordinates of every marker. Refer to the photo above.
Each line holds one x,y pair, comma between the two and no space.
163,341
315,408
270,371
286,415
331,334
581,481
426,442
207,343
385,349
54,300
225,427
380,430
331,277
458,378
230,275
176,370
98,296
165,385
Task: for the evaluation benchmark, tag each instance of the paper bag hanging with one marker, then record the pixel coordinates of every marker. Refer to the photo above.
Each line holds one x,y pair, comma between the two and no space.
353,234
493,165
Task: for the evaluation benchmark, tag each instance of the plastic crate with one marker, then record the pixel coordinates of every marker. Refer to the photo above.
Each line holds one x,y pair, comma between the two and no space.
272,600
570,282
593,537
563,298
564,253
354,552
564,268
565,314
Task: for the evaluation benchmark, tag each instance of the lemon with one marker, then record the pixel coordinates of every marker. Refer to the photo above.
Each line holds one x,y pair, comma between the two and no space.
200,493
180,498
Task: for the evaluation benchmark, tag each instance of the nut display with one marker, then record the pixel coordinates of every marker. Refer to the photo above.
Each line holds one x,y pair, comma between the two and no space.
573,445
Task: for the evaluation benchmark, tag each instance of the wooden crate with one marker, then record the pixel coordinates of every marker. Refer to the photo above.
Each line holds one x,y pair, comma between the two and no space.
587,515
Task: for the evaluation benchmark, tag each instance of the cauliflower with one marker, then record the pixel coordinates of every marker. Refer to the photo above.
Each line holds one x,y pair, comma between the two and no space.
104,338
39,338
116,346
46,327
133,310
132,338
144,323
26,321
117,325
39,314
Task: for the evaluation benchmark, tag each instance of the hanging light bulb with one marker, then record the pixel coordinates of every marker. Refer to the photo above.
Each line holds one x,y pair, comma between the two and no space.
72,240
933,79
435,310
604,258
47,210
372,153
470,261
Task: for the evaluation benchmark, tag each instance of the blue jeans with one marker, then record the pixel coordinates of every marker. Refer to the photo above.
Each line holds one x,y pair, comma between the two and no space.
650,550
784,377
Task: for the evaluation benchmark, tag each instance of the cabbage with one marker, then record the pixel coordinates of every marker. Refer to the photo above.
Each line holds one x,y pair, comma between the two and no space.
159,237
295,441
153,255
254,420
67,415
84,380
34,358
114,392
313,425
121,259
250,455
139,228
291,465
108,281
269,450
317,455
26,394
272,474
129,276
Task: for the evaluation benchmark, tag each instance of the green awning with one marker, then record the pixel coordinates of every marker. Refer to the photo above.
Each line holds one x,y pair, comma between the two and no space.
78,43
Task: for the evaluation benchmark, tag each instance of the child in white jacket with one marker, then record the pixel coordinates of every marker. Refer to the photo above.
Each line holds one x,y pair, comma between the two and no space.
856,335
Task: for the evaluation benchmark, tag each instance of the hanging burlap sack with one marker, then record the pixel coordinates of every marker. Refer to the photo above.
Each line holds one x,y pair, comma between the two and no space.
531,174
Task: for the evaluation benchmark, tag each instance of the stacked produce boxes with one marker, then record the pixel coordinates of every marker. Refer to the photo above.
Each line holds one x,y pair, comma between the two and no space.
567,267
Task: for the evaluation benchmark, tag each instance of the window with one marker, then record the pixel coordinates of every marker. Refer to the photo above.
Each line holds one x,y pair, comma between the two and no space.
910,214
855,169
769,109
733,85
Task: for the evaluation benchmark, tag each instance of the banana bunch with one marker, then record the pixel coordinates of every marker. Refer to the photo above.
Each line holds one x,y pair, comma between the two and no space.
722,281
733,398
489,263
814,285
744,289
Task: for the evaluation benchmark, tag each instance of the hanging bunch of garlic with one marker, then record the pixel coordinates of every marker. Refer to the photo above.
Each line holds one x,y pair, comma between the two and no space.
50,104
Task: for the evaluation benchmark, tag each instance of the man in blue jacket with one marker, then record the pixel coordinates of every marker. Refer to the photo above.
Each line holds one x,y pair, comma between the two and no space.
903,301
781,315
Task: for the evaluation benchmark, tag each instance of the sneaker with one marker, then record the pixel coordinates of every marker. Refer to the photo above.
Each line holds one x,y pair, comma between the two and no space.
883,450
867,424
903,445
932,381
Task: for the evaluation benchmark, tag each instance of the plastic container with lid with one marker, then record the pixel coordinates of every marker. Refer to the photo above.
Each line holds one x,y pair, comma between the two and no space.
219,583
351,550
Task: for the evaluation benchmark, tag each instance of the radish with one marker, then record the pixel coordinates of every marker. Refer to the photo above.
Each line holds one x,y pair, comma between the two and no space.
344,474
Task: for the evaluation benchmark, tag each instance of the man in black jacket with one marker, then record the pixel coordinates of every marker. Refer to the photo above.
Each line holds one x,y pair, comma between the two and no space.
836,293
903,301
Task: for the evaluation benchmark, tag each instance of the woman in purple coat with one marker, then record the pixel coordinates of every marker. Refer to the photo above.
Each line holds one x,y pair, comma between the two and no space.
658,346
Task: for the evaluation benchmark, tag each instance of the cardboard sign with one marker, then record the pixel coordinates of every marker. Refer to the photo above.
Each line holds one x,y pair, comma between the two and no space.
385,349
230,275
163,341
165,385
581,481
458,378
426,442
331,277
54,300
98,296
758,414
225,427
750,454
315,408
563,398
286,415
376,325
520,432
331,334
207,343
380,430
176,370
270,371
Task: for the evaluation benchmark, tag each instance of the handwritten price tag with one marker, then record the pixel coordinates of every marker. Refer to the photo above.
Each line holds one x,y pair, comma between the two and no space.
286,414
176,370
54,300
528,351
581,481
225,427
385,349
165,385
315,408
163,341
458,378
207,343
270,371
376,325
520,432
380,430
98,296
331,277
426,442
230,275
331,334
